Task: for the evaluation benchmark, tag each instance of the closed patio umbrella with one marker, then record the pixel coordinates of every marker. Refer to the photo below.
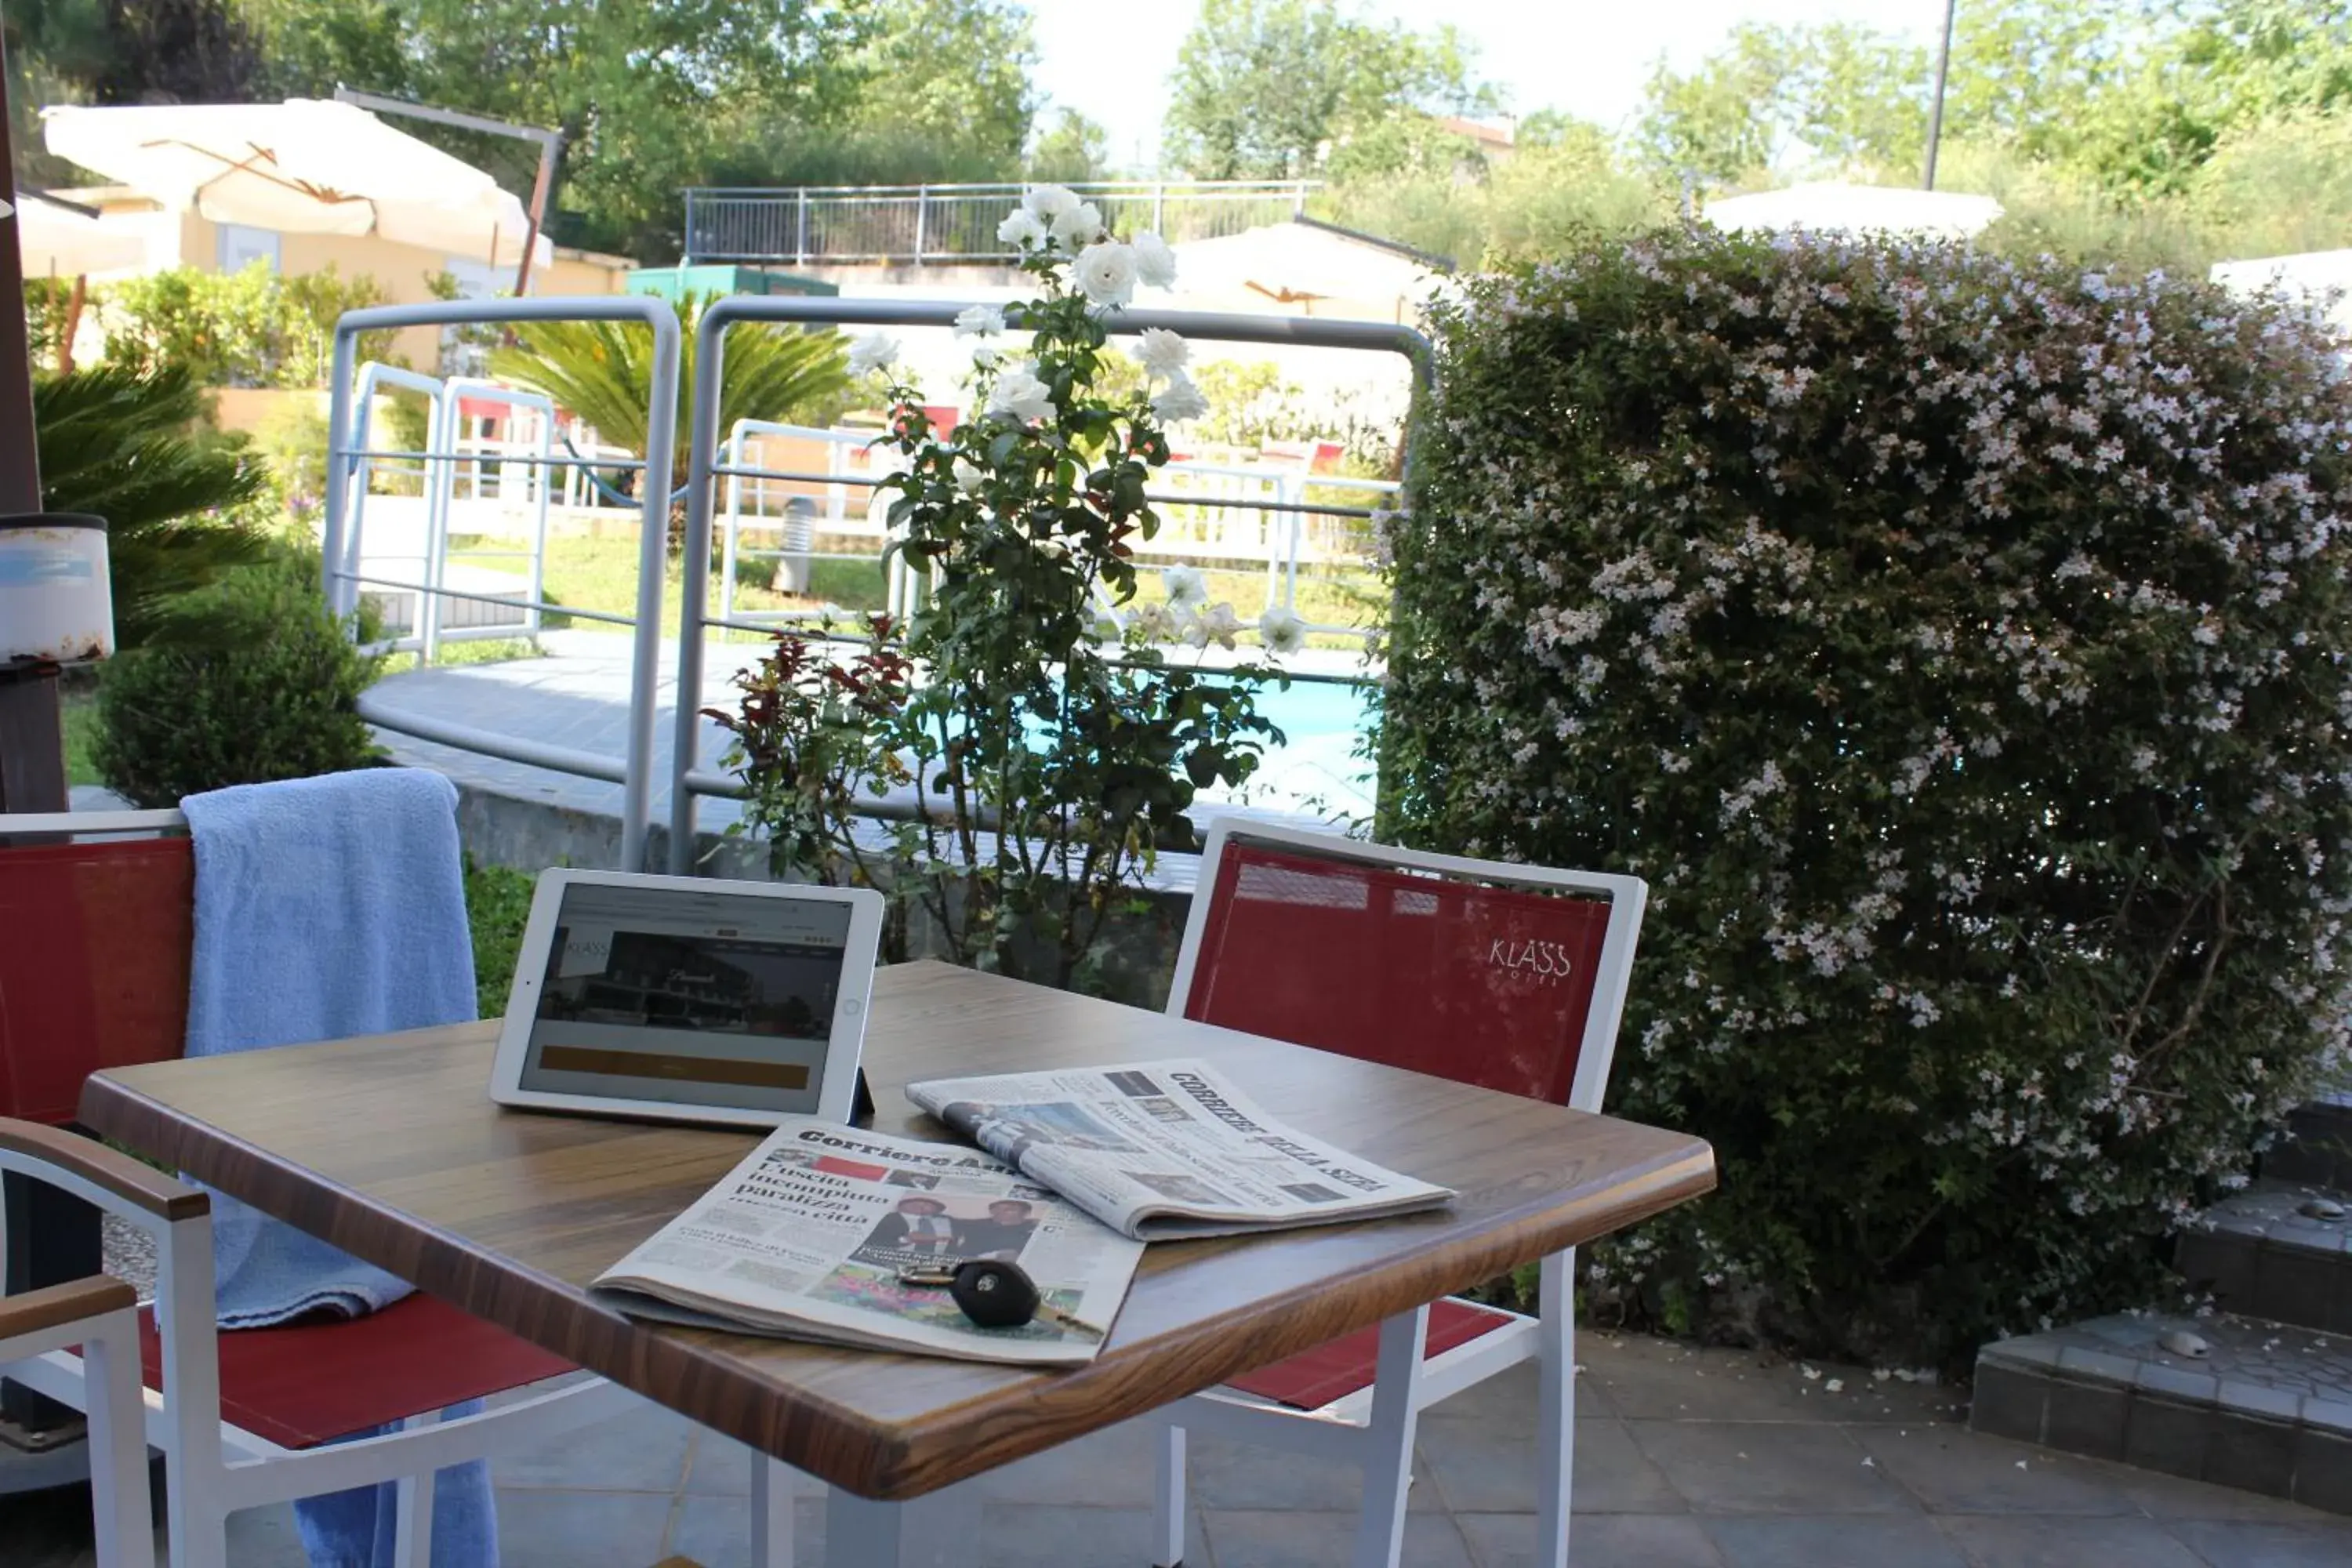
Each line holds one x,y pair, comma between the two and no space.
304,166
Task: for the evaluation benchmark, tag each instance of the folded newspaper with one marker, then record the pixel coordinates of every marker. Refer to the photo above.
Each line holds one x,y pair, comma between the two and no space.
809,1237
1166,1151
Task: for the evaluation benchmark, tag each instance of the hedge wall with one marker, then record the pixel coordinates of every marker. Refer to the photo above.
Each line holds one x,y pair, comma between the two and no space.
1958,648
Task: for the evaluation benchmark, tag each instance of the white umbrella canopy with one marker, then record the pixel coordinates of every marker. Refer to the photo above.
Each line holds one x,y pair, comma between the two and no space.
1832,207
59,239
304,166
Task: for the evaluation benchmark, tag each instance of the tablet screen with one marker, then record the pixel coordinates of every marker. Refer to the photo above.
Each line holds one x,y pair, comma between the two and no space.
690,999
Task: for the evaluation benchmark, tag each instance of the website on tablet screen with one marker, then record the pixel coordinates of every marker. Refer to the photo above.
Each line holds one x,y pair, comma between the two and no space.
688,997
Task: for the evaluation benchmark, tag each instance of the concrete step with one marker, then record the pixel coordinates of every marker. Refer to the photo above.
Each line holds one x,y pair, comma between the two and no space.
2280,1252
2317,1149
2266,1408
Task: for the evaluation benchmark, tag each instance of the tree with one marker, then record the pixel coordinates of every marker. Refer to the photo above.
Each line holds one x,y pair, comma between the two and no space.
117,442
1840,93
1073,150
603,371
1276,88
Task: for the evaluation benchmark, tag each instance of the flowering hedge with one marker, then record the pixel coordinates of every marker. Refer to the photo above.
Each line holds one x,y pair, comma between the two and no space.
1958,647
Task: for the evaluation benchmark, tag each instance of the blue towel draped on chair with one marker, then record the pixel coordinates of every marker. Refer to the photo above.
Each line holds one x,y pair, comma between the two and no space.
327,908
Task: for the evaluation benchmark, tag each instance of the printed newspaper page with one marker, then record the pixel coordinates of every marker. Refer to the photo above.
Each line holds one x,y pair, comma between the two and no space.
807,1238
1167,1150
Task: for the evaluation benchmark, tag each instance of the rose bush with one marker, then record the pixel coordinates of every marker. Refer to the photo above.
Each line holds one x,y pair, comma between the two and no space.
1030,741
1959,649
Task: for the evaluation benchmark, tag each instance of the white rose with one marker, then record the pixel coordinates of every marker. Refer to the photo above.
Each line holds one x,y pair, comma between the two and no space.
1179,400
1163,352
1217,624
875,351
1184,584
980,321
1049,202
1021,229
1018,395
969,476
1082,225
1281,631
1106,273
1155,264
986,358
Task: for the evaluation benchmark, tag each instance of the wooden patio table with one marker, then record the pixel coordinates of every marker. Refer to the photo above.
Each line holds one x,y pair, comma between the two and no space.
390,1148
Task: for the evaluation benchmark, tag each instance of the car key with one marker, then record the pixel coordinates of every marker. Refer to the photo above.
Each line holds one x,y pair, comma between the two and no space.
995,1294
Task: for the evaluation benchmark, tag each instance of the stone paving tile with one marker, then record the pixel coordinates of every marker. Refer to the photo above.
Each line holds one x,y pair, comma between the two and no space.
643,1450
1666,1380
1769,1468
1297,1539
1234,1476
548,1528
1911,1541
1480,1469
1951,1470
2043,1542
1603,1541
2247,1543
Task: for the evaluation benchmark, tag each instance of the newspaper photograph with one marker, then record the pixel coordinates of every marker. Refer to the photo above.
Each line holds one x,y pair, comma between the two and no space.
1161,1151
812,1235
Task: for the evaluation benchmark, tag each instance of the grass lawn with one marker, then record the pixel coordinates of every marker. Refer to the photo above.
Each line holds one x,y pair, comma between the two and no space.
497,903
601,573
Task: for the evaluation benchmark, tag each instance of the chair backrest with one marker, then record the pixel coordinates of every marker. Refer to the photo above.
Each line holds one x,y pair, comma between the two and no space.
95,936
1511,977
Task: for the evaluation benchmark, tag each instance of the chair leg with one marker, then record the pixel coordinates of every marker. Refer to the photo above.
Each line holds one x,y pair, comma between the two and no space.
1388,1465
412,1518
196,1531
771,1513
118,1446
1168,1506
1555,1428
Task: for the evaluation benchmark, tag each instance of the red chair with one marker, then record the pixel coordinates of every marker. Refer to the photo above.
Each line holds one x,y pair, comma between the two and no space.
1511,977
95,975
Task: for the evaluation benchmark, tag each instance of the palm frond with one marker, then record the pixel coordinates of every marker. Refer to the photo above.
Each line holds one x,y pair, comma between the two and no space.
117,442
603,371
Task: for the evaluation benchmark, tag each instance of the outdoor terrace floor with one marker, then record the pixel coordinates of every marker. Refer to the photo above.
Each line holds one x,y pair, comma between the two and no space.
1685,1458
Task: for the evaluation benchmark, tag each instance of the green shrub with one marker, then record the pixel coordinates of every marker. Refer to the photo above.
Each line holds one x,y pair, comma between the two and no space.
254,328
1958,648
252,680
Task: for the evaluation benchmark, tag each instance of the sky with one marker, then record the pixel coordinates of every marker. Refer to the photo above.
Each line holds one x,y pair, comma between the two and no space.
1588,57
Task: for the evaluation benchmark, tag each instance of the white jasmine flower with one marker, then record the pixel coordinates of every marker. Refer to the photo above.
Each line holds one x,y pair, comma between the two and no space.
875,351
1184,584
1019,395
1021,229
1106,273
1281,631
1048,201
1179,400
1163,352
1155,263
980,321
1082,225
1217,624
969,476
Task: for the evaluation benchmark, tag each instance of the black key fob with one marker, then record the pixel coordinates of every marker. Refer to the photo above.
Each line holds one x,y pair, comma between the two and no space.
995,1295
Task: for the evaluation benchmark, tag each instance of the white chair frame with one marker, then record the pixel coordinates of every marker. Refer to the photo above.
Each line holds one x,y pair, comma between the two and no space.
212,1468
122,1509
1374,1427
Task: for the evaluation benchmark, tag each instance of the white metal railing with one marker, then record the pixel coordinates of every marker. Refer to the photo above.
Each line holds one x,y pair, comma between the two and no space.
922,224
350,456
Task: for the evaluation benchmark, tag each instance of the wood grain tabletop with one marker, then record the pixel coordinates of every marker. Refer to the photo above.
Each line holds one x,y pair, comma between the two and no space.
390,1148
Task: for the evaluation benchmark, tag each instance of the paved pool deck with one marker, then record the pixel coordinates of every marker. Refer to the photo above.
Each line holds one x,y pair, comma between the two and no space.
1686,1458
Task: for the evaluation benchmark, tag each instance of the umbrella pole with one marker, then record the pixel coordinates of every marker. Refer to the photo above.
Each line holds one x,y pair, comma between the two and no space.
52,1236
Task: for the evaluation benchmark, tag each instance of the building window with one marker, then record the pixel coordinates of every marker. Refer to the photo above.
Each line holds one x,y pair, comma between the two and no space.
241,247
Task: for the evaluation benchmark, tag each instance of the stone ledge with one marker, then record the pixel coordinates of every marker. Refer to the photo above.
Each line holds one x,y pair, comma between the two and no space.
2262,1257
2266,1410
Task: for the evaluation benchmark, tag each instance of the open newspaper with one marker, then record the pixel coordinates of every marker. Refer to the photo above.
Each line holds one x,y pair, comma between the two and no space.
808,1236
1165,1151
